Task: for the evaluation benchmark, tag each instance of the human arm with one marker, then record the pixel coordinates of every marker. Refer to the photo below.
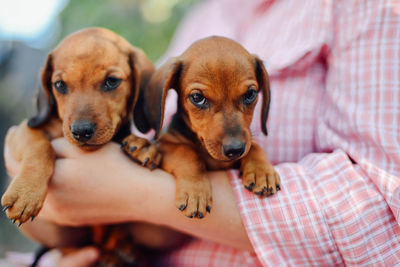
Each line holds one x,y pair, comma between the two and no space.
105,186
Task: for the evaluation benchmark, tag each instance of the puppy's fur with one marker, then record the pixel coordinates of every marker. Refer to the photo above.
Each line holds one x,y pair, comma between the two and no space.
218,83
90,84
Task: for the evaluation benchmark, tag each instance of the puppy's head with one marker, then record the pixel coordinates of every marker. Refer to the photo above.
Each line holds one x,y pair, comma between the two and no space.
91,82
218,84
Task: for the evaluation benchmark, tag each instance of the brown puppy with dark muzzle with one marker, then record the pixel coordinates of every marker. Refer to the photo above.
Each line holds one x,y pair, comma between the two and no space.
218,83
90,84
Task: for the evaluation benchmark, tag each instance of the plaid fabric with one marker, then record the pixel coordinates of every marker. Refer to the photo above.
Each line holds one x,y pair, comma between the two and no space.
334,131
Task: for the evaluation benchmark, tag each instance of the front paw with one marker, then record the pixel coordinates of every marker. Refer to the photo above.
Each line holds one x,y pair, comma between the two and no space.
193,196
23,201
261,178
141,150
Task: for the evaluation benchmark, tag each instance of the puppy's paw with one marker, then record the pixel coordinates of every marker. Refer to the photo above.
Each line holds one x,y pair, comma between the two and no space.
261,178
193,196
141,150
23,201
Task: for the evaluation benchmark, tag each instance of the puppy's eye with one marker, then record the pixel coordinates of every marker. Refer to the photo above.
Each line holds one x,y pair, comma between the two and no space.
250,96
61,87
111,83
198,100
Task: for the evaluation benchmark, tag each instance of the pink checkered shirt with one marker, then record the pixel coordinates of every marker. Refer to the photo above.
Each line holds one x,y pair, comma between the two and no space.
334,131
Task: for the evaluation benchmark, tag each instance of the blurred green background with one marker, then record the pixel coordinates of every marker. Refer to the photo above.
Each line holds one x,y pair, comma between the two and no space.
148,24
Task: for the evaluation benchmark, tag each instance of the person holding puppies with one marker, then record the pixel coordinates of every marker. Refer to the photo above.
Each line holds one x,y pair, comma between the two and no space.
333,136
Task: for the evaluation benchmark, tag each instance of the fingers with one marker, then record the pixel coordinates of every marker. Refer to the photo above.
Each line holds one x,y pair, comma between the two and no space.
11,163
84,257
11,130
64,149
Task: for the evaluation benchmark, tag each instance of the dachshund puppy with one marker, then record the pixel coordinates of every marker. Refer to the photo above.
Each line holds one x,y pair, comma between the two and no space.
218,83
90,84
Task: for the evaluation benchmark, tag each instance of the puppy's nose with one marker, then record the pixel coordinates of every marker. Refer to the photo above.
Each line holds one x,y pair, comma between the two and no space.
83,130
234,150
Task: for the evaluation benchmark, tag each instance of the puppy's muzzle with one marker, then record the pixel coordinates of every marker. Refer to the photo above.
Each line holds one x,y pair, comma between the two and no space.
83,130
234,149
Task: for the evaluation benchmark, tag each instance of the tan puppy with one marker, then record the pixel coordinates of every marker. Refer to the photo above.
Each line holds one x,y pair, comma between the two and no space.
218,83
90,84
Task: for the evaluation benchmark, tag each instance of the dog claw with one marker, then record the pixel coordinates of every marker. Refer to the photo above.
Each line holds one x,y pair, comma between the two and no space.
5,208
19,224
146,161
123,144
201,216
192,215
131,149
261,193
153,166
14,221
268,192
182,207
32,218
250,186
208,209
271,191
278,187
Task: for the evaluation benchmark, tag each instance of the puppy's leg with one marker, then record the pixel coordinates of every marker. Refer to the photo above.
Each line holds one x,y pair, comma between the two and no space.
27,191
259,176
193,188
141,150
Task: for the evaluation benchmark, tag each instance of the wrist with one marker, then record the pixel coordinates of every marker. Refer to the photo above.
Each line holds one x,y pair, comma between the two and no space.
153,199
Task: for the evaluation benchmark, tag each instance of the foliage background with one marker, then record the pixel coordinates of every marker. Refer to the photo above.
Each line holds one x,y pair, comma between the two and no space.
148,24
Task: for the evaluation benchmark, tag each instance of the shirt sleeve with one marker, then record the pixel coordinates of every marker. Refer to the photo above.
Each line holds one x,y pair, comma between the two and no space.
340,205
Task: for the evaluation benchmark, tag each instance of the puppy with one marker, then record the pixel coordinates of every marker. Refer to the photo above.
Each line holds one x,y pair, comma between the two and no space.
218,83
90,84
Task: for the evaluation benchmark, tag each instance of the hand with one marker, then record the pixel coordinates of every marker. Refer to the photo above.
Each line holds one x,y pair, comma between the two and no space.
89,187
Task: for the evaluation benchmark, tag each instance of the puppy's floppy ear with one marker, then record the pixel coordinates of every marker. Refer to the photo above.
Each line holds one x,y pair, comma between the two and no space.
45,102
152,98
141,71
263,83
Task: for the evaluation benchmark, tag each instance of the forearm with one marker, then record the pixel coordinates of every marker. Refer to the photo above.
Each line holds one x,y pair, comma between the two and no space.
223,225
150,199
